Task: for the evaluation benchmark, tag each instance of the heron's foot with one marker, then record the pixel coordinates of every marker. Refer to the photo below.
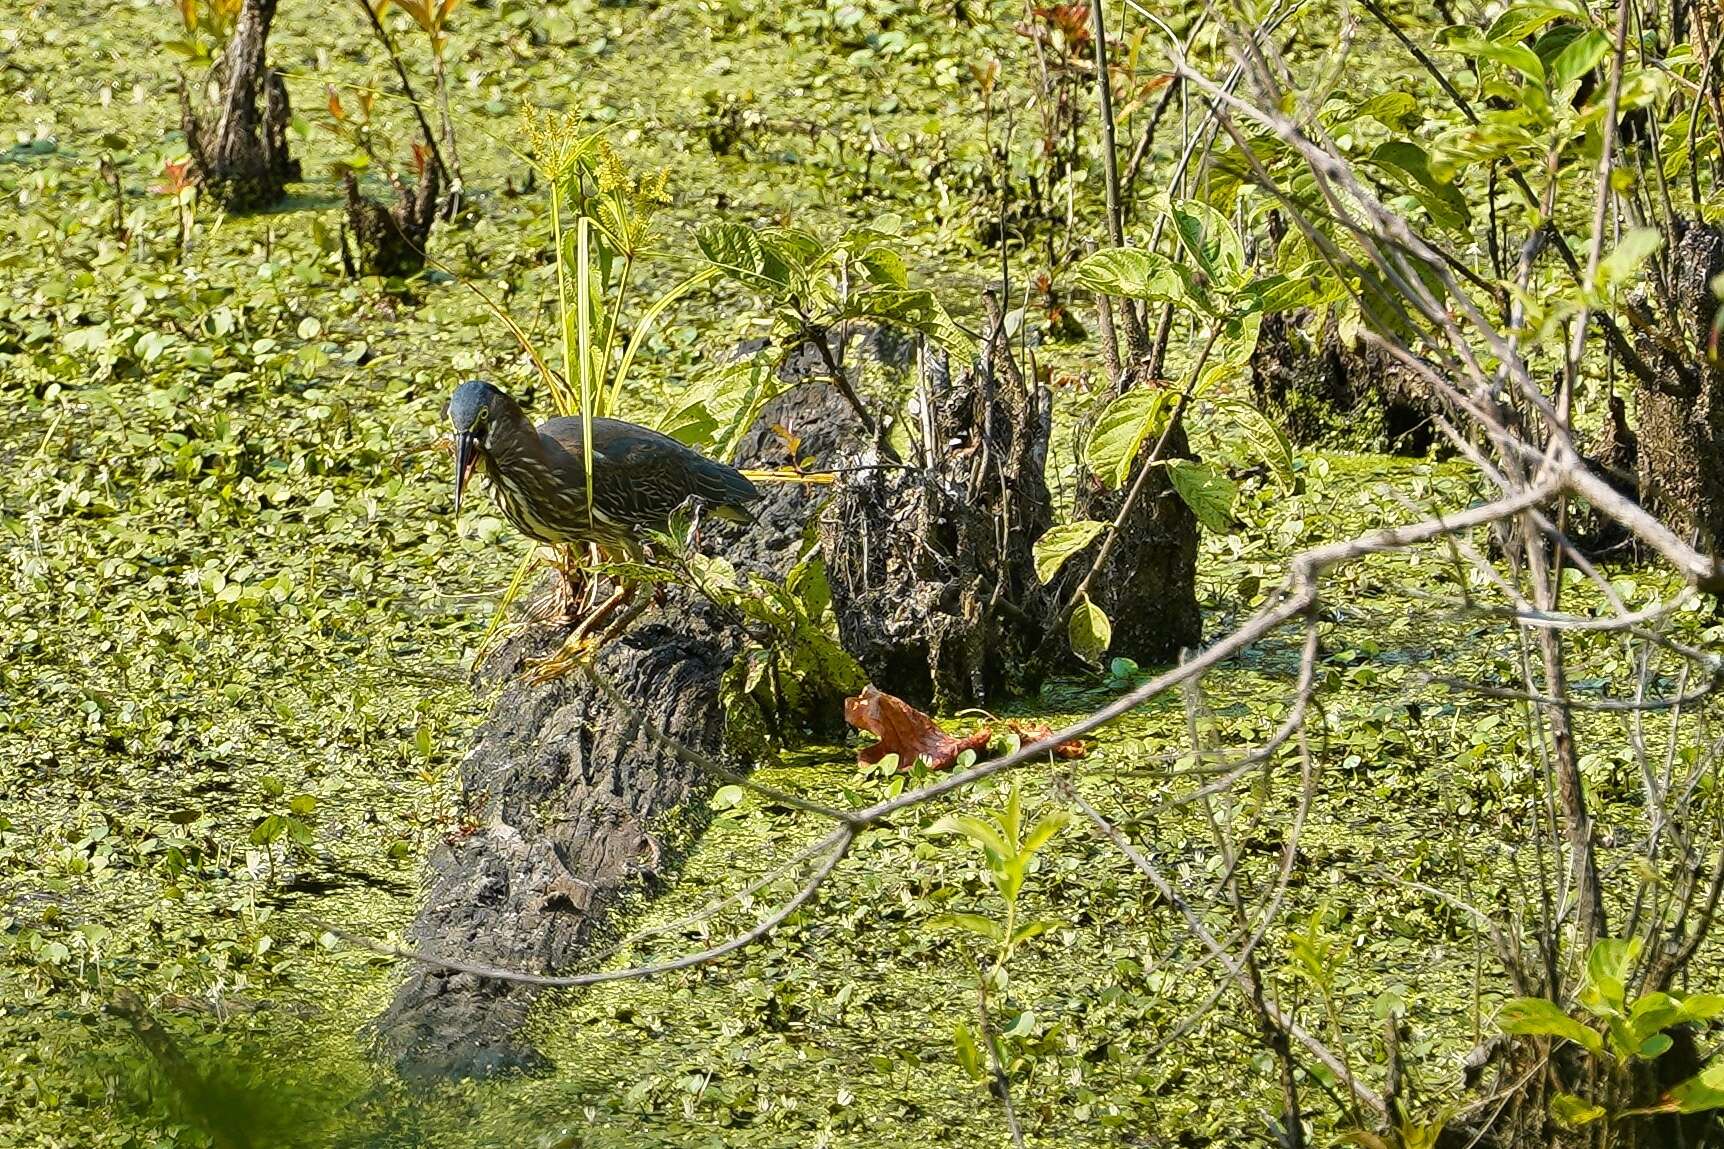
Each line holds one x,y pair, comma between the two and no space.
569,598
582,643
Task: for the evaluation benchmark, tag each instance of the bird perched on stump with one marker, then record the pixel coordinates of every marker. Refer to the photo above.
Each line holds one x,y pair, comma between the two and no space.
640,477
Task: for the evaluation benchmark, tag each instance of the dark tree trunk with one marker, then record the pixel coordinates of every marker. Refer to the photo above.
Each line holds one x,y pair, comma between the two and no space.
932,577
568,791
391,242
1148,585
1327,393
243,161
1681,424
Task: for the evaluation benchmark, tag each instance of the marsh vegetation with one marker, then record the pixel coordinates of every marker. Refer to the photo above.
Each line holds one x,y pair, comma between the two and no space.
1249,473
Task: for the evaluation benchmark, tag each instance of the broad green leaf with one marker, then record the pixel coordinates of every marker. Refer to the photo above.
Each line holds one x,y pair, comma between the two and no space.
1703,1091
1410,166
969,1054
1062,542
1133,273
981,832
1311,284
1089,632
880,263
1624,262
1238,340
1702,1006
1579,57
1123,429
1266,440
1606,972
1571,1111
1538,1017
1522,59
1652,1013
1654,1046
1031,929
1394,110
1209,238
738,253
268,830
1520,21
974,923
917,311
1206,491
1043,831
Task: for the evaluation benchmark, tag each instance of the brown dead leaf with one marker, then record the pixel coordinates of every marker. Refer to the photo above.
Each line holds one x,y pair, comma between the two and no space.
1036,731
905,731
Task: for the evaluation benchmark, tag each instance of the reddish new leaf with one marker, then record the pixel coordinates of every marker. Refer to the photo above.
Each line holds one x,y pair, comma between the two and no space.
1036,731
905,731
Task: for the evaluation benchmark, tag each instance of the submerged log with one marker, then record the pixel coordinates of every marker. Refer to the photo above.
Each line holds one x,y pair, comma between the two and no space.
243,161
567,789
929,561
1681,409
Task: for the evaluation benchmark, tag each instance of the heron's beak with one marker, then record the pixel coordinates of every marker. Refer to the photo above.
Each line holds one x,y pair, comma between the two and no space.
466,455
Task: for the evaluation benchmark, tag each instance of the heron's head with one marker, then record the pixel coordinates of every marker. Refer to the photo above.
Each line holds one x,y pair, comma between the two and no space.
475,410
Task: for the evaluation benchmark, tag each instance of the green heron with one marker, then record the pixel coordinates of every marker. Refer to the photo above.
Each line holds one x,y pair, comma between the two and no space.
639,477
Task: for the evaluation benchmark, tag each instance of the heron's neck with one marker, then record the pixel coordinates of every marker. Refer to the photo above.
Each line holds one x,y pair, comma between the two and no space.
514,440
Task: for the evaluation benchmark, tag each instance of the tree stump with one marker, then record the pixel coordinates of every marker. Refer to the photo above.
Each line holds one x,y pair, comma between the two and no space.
391,242
1681,410
1326,392
929,562
1148,585
569,793
243,163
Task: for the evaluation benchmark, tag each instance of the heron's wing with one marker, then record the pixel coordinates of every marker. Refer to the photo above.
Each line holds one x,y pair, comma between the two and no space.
643,475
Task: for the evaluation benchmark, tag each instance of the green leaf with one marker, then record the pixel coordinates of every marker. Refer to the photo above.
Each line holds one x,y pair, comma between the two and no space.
918,311
1520,21
1311,284
727,798
303,804
1062,542
1043,831
974,923
1263,437
1654,1046
1538,1017
1089,632
1133,273
1121,431
1624,262
1702,1006
1030,929
1606,972
1652,1013
1209,238
1206,491
268,830
981,832
1396,111
738,253
1410,166
1703,1091
1516,56
969,1055
1580,57
1571,1111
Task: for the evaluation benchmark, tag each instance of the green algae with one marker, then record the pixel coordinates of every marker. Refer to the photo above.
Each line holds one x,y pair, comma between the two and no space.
225,564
